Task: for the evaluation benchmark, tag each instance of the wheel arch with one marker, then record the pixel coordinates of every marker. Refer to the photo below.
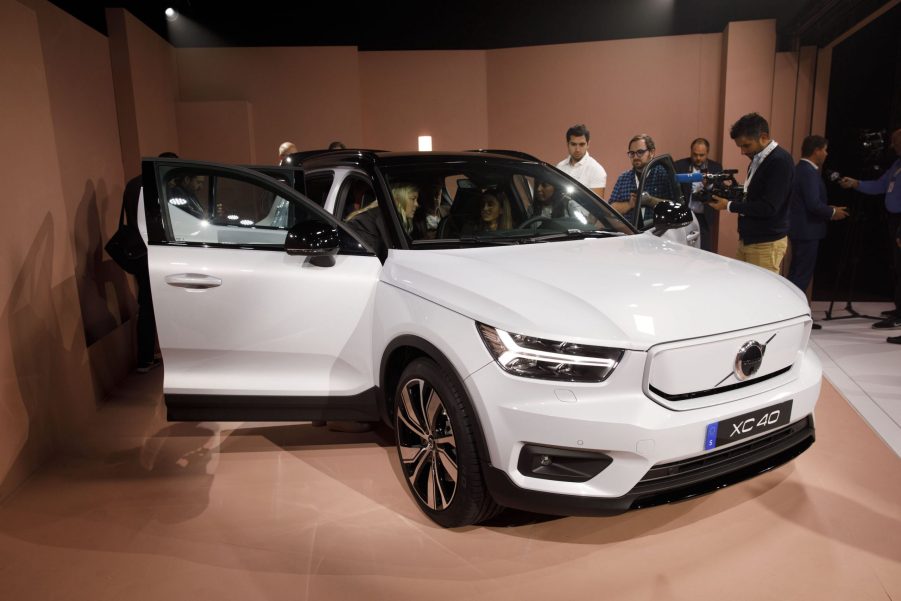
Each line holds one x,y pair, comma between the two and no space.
397,355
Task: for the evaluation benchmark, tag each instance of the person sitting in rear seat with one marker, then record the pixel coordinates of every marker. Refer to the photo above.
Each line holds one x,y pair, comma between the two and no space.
370,226
183,194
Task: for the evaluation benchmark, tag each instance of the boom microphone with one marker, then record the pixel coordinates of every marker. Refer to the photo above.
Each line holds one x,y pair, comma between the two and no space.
690,178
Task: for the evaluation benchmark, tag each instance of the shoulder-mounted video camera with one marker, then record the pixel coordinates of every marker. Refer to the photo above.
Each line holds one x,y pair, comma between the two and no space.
722,184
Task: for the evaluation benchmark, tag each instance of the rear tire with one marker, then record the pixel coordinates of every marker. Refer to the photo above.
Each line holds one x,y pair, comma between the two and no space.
436,447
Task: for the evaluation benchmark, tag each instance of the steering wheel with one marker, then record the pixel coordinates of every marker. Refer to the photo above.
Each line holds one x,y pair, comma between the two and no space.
535,222
540,220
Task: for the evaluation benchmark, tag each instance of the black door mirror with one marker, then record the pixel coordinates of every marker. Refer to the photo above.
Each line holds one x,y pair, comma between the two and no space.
668,215
657,186
316,239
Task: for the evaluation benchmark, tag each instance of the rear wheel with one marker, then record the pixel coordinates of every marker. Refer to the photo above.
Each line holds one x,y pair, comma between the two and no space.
436,447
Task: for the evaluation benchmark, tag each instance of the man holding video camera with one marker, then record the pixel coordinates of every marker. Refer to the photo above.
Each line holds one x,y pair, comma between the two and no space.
699,162
763,214
890,185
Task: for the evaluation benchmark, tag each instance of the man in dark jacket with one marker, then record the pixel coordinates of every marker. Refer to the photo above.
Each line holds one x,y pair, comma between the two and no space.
763,214
699,162
810,211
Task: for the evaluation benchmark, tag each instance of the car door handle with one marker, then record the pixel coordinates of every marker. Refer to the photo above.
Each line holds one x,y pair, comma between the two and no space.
692,236
194,281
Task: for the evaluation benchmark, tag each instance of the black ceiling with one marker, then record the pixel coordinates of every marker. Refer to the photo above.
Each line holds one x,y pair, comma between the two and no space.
470,24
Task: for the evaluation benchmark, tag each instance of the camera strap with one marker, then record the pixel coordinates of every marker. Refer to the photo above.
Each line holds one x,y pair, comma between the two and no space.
757,160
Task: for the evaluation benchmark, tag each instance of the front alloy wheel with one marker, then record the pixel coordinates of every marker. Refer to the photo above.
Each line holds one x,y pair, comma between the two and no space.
436,447
425,440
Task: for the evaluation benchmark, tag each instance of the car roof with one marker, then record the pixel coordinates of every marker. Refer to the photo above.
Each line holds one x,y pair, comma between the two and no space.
359,157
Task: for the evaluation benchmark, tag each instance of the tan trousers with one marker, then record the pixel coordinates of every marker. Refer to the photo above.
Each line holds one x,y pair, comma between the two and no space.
768,255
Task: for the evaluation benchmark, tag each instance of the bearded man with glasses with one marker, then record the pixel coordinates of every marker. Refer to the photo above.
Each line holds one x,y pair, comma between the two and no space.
625,191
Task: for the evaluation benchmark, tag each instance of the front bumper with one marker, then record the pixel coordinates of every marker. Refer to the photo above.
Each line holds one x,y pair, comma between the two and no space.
668,482
657,453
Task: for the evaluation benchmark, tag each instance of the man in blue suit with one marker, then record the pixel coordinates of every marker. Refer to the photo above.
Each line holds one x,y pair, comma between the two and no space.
809,211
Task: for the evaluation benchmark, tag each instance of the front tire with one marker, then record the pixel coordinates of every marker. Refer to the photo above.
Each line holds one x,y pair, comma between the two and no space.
436,447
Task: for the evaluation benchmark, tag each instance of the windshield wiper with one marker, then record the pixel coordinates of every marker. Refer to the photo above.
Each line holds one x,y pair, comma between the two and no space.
489,240
572,235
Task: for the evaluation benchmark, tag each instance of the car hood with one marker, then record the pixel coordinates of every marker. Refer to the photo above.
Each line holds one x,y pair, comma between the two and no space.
631,291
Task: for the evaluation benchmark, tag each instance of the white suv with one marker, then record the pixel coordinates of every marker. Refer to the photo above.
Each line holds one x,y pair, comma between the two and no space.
530,348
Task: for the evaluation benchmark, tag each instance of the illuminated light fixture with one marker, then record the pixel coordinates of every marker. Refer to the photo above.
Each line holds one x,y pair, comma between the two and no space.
233,217
171,14
246,222
178,202
425,143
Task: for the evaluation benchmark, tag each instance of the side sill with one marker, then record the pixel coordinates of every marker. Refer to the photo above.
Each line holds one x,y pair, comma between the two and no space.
228,408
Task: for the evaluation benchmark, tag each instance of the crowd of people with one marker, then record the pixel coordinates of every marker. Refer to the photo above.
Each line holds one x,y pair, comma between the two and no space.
783,205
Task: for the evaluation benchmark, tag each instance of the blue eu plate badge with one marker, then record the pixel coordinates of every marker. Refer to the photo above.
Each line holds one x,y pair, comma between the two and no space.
710,441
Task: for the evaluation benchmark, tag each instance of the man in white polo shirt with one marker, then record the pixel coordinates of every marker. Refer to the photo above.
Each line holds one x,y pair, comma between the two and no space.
579,165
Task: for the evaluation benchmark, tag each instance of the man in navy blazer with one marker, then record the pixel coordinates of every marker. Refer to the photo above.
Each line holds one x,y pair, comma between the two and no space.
699,161
809,211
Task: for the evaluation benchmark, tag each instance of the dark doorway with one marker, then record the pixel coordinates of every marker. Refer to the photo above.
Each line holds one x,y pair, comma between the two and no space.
864,107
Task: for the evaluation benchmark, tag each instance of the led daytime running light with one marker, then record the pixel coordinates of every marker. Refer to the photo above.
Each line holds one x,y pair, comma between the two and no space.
525,356
514,351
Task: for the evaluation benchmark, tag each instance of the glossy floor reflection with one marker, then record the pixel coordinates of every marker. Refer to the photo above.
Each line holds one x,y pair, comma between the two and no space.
144,509
862,365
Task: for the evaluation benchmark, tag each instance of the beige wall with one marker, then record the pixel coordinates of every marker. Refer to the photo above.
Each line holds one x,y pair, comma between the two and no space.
144,77
217,131
803,101
782,110
821,91
749,70
310,96
60,177
409,94
667,87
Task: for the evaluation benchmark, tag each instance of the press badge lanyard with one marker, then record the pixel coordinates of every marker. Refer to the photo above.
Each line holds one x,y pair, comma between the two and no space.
891,184
755,162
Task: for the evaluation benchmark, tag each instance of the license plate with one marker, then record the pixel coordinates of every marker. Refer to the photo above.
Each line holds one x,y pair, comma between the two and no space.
748,424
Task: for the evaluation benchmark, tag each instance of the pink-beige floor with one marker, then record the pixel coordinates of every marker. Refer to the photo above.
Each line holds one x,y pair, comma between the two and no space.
144,509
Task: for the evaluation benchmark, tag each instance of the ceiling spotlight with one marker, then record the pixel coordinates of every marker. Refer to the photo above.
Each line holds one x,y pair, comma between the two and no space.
171,14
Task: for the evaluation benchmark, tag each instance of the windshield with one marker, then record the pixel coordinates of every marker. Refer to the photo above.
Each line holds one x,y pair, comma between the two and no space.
457,204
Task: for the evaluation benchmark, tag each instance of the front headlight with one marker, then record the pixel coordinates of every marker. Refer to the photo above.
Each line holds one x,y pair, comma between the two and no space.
532,357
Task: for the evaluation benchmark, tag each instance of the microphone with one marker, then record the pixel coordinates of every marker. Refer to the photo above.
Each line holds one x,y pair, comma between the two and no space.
832,176
689,178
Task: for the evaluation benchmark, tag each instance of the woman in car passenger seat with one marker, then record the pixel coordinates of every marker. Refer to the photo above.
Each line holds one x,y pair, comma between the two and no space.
548,201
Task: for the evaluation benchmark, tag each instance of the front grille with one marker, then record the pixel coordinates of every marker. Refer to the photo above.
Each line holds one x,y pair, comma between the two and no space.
697,475
710,391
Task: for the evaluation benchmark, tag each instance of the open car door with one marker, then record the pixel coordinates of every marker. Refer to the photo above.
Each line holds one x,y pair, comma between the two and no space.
263,301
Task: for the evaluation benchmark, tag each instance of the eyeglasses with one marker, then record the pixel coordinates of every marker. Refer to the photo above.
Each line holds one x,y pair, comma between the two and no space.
637,153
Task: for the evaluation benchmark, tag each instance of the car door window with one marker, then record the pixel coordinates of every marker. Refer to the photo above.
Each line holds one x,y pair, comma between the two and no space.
356,193
318,186
213,207
658,184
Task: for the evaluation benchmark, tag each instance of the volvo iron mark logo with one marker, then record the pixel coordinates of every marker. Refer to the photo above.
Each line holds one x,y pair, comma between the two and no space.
748,359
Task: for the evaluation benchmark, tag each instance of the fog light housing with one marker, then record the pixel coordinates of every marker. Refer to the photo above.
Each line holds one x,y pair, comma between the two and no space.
568,465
